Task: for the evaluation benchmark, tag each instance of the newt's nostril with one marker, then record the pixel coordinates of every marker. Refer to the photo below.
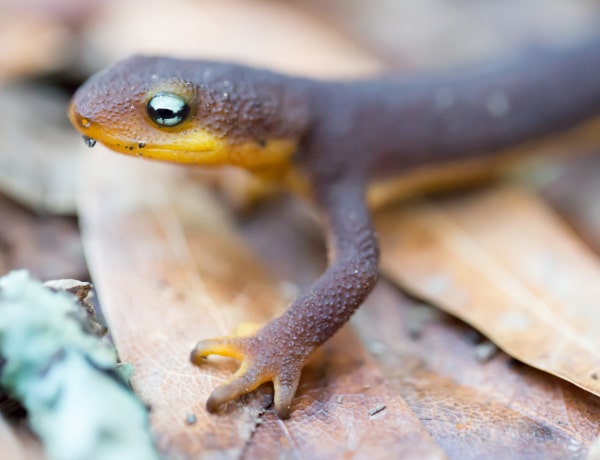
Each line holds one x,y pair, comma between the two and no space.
79,121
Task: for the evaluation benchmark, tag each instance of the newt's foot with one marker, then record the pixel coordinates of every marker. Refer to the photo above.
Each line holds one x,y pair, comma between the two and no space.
262,360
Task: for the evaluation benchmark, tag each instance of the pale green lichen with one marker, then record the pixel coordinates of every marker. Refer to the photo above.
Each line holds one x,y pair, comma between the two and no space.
78,402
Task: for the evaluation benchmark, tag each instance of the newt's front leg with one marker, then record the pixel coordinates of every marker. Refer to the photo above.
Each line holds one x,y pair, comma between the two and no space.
279,350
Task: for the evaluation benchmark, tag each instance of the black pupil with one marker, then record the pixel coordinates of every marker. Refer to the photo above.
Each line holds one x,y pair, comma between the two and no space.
167,109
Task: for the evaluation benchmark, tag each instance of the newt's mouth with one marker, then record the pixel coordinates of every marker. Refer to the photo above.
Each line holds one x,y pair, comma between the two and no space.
196,146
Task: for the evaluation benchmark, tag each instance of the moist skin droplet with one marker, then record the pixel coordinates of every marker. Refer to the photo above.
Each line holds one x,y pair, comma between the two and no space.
89,141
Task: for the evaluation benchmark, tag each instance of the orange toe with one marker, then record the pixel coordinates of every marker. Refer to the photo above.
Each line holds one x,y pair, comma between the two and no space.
225,346
259,364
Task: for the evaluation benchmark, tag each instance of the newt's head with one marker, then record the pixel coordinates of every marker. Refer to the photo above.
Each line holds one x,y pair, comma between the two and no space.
194,112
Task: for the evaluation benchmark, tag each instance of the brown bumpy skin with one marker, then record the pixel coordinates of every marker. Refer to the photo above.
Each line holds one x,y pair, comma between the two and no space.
338,136
277,353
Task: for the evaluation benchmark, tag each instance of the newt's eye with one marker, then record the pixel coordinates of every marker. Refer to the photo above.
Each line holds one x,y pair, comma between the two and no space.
167,109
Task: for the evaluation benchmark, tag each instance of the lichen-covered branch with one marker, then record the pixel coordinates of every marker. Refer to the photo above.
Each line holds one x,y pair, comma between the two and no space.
78,402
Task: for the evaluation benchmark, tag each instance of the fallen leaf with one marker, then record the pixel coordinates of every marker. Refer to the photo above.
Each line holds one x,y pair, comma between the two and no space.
38,170
573,191
344,408
472,409
49,247
18,446
438,33
342,391
170,270
167,277
33,43
503,262
263,33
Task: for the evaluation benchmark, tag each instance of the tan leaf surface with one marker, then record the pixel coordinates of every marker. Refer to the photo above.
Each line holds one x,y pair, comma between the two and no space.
341,386
264,33
32,42
474,405
503,262
169,270
49,247
17,444
39,171
473,408
438,33
573,190
344,408
166,278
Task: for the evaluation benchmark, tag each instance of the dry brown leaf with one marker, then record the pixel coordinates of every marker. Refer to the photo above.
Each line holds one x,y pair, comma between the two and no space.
573,189
167,277
68,12
344,408
499,408
17,444
170,270
438,33
471,409
38,154
32,43
472,405
49,247
260,32
341,386
503,262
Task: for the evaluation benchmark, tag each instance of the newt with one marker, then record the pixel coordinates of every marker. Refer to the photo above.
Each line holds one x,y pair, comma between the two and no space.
338,137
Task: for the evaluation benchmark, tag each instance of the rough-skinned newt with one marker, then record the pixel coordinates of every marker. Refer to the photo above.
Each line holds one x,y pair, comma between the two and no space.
339,136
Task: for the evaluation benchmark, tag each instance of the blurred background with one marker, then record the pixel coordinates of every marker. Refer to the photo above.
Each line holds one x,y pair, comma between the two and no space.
49,47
